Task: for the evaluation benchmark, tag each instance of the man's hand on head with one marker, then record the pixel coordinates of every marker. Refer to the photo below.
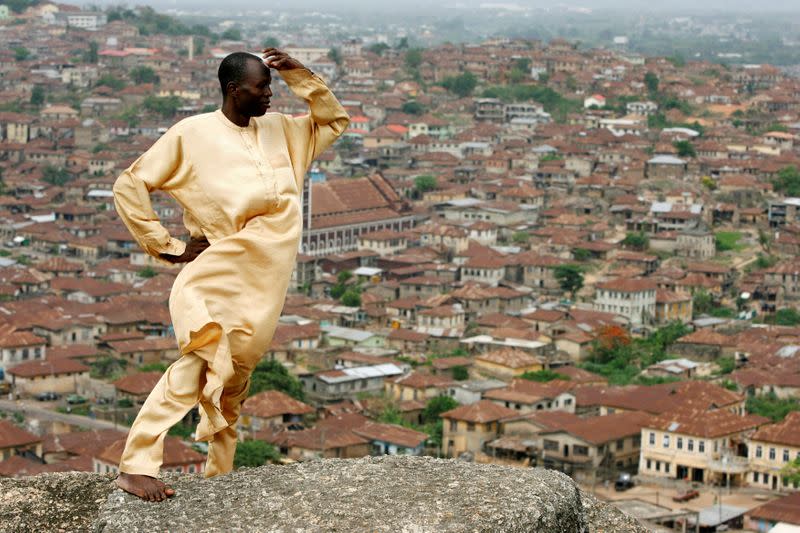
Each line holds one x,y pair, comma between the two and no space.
194,247
280,60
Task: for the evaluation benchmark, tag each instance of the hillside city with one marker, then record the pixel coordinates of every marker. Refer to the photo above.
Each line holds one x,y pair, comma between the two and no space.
521,252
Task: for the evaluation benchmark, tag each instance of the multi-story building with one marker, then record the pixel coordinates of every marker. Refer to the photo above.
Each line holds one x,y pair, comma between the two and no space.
635,299
469,427
770,449
698,445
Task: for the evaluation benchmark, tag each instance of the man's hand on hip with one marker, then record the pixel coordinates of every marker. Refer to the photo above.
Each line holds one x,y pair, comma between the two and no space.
194,247
280,60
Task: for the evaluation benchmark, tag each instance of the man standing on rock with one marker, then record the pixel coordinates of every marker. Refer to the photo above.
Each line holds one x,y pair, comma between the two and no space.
237,172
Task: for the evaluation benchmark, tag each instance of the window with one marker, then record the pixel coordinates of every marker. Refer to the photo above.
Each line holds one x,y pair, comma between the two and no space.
679,443
470,426
550,445
652,439
580,450
758,452
649,464
620,444
666,441
785,456
658,466
772,454
666,468
701,446
454,425
637,441
690,445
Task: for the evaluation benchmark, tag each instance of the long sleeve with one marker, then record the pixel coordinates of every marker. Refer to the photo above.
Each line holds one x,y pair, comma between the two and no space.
152,170
309,135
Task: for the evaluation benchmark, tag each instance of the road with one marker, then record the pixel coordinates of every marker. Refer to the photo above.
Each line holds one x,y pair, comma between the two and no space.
35,411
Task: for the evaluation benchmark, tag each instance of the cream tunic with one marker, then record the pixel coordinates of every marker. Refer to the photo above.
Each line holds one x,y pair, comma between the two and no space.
238,186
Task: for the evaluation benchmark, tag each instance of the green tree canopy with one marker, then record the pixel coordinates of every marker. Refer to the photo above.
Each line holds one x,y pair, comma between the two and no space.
425,183
461,85
378,48
271,42
272,375
57,176
637,241
232,34
651,81
544,376
143,74
335,55
788,181
37,96
685,149
21,53
166,106
413,58
570,278
110,81
254,453
413,107
436,406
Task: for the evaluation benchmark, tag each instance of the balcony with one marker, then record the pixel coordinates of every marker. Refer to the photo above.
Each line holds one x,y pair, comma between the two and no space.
728,463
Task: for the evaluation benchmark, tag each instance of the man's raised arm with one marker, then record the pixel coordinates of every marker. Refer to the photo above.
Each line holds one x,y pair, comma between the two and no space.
308,136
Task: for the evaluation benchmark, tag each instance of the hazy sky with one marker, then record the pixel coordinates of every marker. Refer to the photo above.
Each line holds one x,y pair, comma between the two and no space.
419,6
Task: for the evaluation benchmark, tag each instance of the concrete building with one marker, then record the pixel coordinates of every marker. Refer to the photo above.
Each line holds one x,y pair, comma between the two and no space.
635,299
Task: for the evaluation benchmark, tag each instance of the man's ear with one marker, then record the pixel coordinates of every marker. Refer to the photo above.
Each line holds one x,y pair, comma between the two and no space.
231,88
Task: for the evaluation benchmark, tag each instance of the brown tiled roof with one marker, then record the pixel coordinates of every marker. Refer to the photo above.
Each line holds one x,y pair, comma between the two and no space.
48,367
11,337
420,380
708,337
143,345
443,363
11,435
628,285
407,335
786,432
139,383
87,443
479,412
272,403
657,399
601,429
391,433
786,509
317,438
509,357
579,375
703,423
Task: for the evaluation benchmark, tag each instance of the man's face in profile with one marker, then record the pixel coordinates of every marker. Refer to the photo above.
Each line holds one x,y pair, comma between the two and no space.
254,93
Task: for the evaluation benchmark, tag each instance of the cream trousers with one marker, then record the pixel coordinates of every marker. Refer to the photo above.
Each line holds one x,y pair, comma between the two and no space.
175,394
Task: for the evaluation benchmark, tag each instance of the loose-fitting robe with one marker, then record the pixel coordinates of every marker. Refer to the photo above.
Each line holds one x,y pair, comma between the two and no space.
240,187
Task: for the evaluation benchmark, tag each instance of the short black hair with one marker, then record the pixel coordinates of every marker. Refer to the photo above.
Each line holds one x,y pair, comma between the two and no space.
234,68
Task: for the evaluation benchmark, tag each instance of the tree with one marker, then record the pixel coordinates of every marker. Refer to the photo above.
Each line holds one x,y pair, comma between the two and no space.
520,237
147,272
351,298
110,81
651,81
378,48
460,373
166,106
436,406
271,42
272,375
91,54
791,472
581,254
413,107
570,278
786,317
232,34
770,406
414,58
55,175
21,53
403,44
254,453
335,55
637,241
685,149
543,376
461,85
788,181
143,74
702,302
424,183
37,96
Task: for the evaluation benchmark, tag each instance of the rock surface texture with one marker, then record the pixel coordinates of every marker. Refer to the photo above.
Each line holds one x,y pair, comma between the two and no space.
372,494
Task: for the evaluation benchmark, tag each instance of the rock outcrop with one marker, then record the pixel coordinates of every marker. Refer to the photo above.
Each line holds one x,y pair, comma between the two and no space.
372,494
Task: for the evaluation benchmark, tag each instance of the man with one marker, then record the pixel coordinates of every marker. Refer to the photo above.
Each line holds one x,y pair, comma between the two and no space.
237,172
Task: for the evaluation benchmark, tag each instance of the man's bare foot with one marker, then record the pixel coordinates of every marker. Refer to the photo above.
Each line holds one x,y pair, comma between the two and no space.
145,487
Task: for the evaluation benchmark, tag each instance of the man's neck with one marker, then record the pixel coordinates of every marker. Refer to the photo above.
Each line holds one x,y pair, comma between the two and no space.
233,115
